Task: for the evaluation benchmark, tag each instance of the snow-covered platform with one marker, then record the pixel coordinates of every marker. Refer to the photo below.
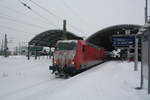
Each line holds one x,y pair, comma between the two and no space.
22,79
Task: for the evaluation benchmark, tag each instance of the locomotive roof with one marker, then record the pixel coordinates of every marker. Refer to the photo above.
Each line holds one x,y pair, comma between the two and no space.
67,41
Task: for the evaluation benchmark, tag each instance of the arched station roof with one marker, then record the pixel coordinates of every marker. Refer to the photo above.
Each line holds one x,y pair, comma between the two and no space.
50,37
104,37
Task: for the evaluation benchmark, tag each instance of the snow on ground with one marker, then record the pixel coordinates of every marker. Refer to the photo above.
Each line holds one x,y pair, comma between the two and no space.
22,79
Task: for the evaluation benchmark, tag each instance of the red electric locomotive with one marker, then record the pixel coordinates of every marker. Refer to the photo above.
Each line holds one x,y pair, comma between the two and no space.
72,56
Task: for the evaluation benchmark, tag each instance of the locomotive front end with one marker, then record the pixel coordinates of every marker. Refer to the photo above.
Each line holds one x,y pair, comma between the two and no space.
63,60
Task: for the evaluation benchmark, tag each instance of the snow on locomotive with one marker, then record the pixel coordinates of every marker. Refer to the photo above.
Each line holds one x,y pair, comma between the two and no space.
72,56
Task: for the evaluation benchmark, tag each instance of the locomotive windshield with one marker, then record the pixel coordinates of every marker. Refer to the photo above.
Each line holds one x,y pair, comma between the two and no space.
66,46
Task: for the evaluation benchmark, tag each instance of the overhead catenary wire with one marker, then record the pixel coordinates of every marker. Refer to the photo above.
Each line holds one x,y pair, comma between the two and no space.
10,28
83,20
21,22
35,12
54,15
73,11
45,9
42,19
46,19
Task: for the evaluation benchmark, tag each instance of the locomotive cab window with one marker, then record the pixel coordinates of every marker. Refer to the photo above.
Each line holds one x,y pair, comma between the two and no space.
66,46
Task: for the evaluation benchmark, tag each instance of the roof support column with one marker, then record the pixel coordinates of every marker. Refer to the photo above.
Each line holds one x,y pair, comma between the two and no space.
28,52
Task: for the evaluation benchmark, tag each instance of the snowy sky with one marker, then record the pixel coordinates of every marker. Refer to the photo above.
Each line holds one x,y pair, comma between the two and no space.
84,17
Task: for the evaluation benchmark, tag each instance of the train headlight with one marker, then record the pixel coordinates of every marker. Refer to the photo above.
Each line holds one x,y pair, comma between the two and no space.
72,62
55,62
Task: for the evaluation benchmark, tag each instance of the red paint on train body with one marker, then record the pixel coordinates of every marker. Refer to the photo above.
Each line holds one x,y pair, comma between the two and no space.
71,56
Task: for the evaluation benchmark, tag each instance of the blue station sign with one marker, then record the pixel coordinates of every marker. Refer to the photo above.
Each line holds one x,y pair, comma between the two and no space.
123,40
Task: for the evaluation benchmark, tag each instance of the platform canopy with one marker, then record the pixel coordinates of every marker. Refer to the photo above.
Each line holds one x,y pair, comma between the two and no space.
50,37
104,37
